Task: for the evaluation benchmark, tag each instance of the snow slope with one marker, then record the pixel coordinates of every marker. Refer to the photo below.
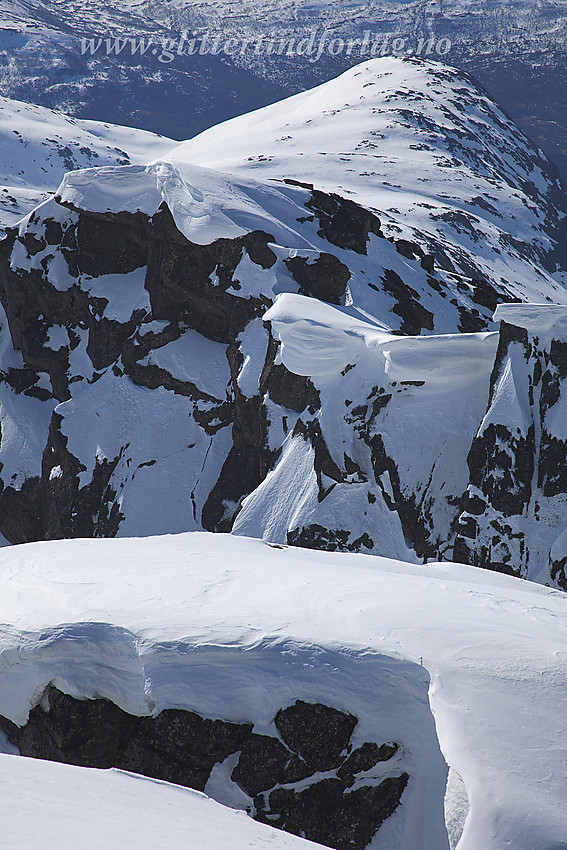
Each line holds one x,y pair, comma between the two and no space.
421,145
69,807
38,145
462,667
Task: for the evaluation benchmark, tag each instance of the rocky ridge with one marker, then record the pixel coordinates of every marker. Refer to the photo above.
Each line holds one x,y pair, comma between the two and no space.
184,348
281,777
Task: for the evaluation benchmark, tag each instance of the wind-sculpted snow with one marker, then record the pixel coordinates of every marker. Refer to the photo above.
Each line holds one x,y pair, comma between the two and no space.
38,145
459,668
367,447
107,294
185,348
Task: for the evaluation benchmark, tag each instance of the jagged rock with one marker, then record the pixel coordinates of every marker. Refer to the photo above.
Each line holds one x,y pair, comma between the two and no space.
365,757
294,392
326,278
512,515
264,762
408,306
109,243
315,536
408,249
344,223
317,733
179,274
181,747
177,746
92,733
326,814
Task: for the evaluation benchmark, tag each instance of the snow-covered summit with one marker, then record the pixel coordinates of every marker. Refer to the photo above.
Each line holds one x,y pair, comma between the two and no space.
424,147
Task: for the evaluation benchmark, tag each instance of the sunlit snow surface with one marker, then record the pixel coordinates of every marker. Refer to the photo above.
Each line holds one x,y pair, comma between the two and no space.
39,145
418,143
466,668
72,807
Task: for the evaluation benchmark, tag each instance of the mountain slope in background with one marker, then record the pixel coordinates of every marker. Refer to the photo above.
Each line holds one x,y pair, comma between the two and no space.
423,146
44,61
189,348
38,146
517,51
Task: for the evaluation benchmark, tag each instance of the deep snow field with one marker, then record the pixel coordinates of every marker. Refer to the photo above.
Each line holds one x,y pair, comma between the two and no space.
465,668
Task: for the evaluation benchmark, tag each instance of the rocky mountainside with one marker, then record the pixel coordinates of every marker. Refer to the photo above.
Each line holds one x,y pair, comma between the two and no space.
284,329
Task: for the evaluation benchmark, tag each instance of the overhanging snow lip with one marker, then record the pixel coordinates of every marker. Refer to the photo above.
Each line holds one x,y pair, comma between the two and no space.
537,317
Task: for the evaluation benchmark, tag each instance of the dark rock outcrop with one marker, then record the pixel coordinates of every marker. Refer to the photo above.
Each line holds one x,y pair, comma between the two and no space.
183,747
512,515
127,300
326,278
329,814
344,223
318,733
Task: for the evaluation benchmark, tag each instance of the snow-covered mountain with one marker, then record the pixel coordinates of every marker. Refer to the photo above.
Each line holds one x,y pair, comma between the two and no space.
38,145
338,323
266,343
242,669
421,144
46,56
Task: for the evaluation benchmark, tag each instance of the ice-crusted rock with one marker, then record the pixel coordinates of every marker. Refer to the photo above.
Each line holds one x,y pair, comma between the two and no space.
514,510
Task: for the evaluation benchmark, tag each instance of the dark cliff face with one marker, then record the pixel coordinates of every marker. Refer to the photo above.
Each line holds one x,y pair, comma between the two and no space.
180,296
94,302
280,776
145,390
513,513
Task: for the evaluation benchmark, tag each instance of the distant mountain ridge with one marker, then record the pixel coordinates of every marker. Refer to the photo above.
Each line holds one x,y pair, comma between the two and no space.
38,146
517,51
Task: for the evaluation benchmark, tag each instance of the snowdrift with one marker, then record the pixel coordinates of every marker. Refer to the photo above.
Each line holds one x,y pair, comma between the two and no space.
463,669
